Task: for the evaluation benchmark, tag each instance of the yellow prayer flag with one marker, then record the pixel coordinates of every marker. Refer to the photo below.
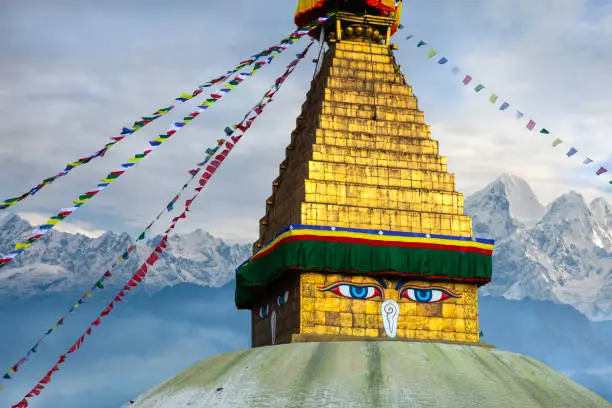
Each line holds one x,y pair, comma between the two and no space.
186,96
77,202
22,246
88,294
432,53
76,305
53,222
557,142
133,160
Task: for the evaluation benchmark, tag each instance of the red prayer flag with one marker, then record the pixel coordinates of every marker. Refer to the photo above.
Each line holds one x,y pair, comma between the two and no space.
97,321
88,331
108,309
107,274
45,380
152,259
61,359
531,125
601,171
21,404
198,189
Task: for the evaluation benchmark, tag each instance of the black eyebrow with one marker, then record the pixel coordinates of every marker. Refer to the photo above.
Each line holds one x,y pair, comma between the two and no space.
382,283
401,283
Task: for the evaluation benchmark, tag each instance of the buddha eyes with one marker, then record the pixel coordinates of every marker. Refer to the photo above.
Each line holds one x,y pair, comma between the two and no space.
281,300
412,293
352,291
426,295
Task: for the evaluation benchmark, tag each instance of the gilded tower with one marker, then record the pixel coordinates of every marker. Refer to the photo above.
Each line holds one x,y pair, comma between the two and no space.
364,236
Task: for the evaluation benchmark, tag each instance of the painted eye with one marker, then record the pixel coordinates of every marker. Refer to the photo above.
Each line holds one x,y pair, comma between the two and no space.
355,292
282,299
264,311
426,295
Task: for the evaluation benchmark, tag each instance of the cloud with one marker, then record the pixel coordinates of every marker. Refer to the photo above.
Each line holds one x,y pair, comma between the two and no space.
72,73
69,227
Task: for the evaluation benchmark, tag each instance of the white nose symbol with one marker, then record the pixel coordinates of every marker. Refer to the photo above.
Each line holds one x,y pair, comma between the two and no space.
273,326
390,313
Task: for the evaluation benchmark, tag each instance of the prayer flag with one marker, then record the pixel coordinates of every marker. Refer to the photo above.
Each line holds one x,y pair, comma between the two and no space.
504,106
531,124
467,80
455,70
557,142
601,171
588,160
572,151
493,98
544,131
442,61
421,43
431,53
479,87
519,114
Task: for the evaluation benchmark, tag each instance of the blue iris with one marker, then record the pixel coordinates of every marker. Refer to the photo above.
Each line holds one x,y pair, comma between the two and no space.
358,292
422,295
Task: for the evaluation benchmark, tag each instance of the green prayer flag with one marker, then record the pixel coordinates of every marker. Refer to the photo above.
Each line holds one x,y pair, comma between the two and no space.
545,132
479,88
100,285
421,43
7,376
141,236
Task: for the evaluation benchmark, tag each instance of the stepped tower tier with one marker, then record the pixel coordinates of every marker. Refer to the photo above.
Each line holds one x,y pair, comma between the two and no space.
364,235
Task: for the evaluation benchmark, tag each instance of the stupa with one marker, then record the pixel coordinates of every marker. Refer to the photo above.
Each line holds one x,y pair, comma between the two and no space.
364,239
364,236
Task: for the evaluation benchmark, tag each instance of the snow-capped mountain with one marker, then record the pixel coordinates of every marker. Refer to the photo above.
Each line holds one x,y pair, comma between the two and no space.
561,253
64,262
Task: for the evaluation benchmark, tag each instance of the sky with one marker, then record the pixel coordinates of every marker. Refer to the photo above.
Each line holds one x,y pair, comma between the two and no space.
74,72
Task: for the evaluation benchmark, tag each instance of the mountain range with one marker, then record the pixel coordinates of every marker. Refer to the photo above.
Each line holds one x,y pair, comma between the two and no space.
560,253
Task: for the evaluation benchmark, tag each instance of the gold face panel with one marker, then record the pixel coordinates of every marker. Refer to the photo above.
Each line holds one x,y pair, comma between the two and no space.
413,309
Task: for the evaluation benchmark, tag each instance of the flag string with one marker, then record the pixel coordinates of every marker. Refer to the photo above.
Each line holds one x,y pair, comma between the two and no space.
139,124
64,213
504,105
144,269
107,274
